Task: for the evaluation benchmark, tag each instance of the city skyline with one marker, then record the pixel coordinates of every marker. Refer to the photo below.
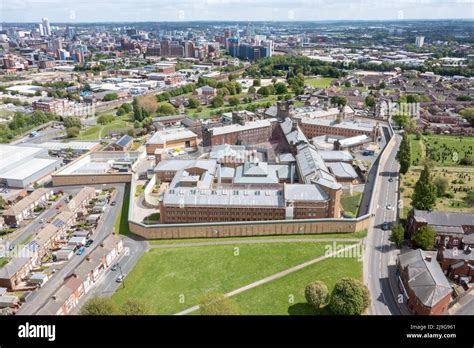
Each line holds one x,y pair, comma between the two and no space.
232,10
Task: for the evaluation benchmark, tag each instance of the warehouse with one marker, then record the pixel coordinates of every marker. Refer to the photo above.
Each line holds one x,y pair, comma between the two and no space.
22,166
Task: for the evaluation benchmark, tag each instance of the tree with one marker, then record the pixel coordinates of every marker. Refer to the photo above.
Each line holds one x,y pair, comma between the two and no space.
251,90
338,100
442,185
256,82
398,235
349,297
234,101
470,198
264,91
72,132
468,114
126,107
347,84
217,101
370,101
165,109
217,304
424,237
280,88
424,195
404,154
193,102
134,307
99,306
105,119
316,294
110,96
71,121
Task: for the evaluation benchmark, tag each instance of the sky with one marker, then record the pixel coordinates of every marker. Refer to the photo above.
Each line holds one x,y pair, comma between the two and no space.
242,10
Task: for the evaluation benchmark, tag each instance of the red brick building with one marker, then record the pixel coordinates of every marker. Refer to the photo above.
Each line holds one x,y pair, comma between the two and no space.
423,284
255,132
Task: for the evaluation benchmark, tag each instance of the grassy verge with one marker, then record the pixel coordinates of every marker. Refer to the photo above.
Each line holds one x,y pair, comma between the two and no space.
360,234
350,204
121,220
322,82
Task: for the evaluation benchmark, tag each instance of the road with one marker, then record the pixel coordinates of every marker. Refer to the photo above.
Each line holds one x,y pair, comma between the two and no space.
378,252
105,227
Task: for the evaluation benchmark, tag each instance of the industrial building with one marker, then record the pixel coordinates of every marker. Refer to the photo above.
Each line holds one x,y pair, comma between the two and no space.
22,166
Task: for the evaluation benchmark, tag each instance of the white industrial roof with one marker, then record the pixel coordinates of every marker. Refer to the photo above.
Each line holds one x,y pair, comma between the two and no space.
166,135
10,154
75,145
29,168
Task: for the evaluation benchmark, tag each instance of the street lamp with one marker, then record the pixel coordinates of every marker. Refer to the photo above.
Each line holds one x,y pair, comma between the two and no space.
121,275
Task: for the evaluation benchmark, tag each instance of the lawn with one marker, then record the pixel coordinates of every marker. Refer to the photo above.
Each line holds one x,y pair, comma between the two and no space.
206,110
121,220
461,178
319,82
286,295
350,204
174,279
3,261
444,150
360,234
99,131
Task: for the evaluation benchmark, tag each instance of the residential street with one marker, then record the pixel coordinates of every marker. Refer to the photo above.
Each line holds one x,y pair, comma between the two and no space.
378,253
105,227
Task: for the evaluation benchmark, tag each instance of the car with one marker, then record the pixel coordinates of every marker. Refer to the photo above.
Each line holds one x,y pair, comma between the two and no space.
14,225
11,247
89,242
59,206
42,221
81,251
114,267
390,179
114,203
389,207
386,226
120,278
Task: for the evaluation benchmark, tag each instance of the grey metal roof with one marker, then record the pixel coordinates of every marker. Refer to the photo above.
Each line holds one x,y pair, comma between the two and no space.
223,197
299,192
312,167
161,137
425,278
443,218
336,156
342,170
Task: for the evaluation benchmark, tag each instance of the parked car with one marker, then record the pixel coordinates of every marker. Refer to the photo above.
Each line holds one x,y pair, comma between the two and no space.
389,207
120,278
386,226
113,203
89,242
81,251
59,206
114,267
390,179
14,225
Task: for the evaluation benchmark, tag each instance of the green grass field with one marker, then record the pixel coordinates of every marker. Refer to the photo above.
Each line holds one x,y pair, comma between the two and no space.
322,82
3,261
99,131
444,150
350,204
121,220
286,295
174,279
